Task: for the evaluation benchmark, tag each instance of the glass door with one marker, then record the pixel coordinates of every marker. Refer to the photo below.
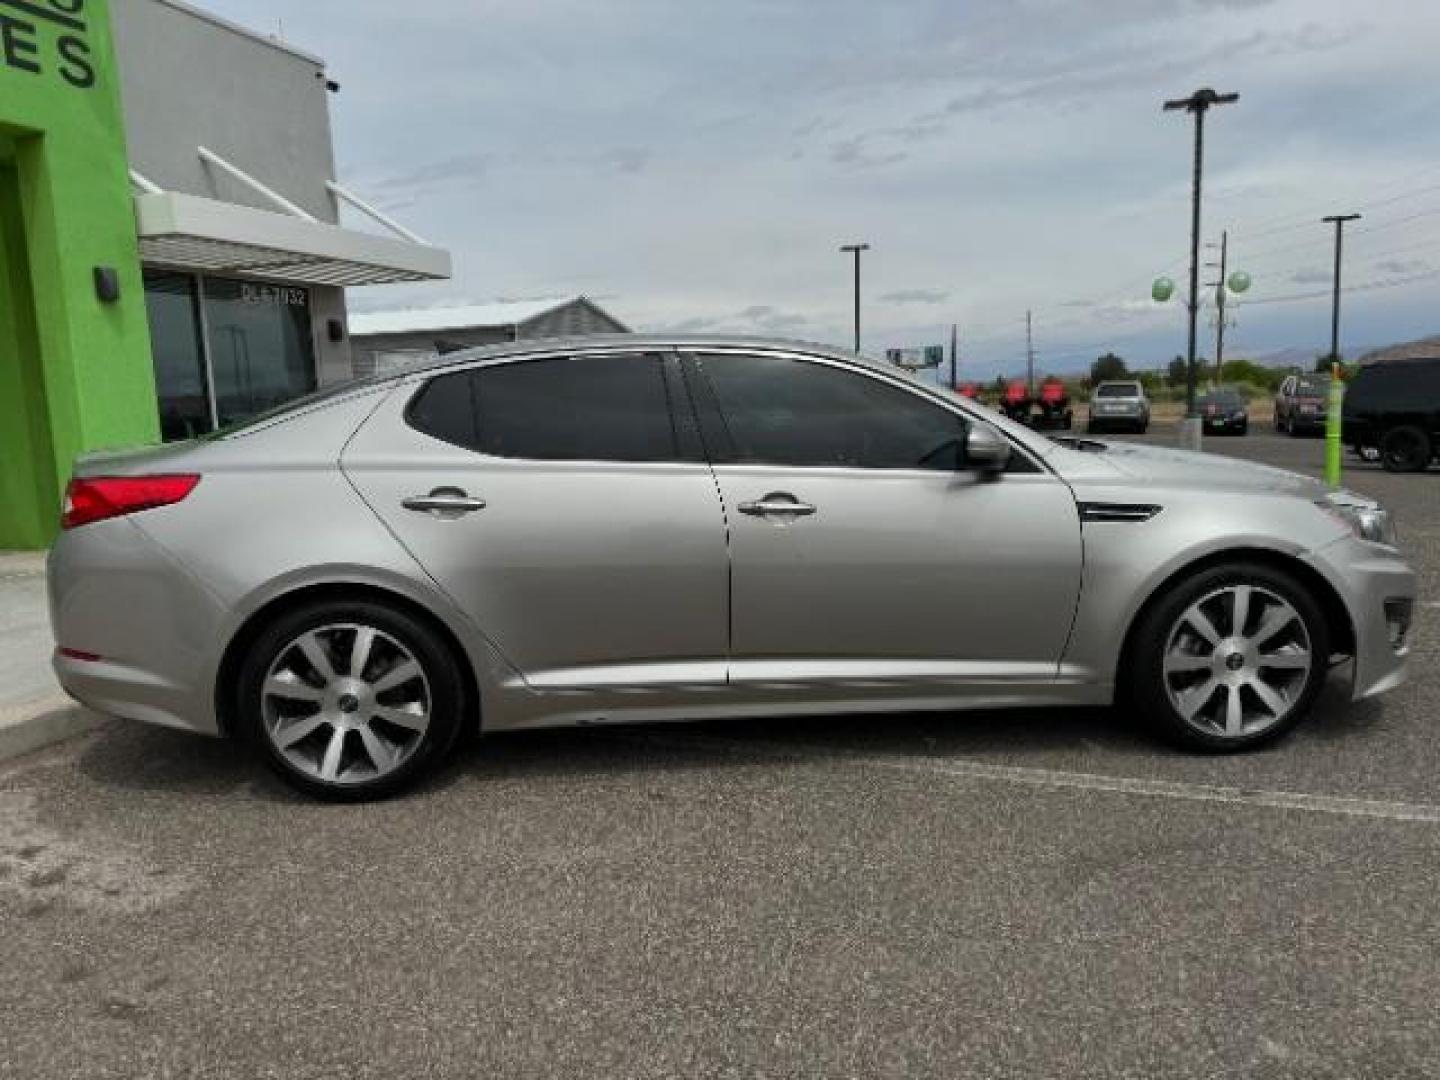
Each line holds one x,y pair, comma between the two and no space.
175,341
261,350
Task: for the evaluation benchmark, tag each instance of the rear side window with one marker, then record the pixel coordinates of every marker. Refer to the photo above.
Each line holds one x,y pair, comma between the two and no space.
778,411
568,408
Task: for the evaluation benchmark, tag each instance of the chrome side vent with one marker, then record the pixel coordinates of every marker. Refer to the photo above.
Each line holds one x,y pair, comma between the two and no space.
1132,513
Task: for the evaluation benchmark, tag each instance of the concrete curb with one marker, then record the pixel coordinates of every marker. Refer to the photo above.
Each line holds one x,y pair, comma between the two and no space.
18,564
38,724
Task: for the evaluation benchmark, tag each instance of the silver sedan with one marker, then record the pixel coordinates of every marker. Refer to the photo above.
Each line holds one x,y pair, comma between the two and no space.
637,528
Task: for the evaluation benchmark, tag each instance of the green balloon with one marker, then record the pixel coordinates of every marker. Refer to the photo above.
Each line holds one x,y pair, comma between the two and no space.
1162,289
1239,281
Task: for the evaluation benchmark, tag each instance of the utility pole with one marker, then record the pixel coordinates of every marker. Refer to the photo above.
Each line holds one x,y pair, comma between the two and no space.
856,249
1029,356
1339,221
1197,104
954,354
1220,309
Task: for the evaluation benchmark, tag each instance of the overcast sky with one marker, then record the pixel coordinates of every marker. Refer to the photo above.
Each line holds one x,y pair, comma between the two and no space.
694,165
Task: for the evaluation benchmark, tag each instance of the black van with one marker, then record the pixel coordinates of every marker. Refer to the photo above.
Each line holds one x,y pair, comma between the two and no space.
1393,408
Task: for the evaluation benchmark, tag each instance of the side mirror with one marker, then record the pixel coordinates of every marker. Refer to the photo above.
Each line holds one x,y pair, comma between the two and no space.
986,450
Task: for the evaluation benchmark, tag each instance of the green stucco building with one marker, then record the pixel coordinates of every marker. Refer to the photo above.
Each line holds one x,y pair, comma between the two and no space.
172,256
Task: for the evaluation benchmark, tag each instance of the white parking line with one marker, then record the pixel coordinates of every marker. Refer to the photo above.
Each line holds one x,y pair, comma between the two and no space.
1344,805
1168,789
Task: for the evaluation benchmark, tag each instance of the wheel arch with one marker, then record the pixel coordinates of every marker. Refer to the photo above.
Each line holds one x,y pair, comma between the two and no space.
1338,620
334,592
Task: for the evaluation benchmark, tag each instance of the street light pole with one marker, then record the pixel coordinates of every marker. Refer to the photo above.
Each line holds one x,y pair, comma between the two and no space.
1339,221
856,249
1197,103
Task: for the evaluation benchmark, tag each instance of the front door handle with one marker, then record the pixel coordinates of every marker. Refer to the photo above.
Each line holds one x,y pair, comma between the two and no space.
444,502
776,504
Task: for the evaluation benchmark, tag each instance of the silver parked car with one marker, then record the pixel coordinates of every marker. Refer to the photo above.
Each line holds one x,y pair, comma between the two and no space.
1119,406
640,528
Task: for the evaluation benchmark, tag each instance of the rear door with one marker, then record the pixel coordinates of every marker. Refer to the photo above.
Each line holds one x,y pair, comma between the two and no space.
861,547
565,505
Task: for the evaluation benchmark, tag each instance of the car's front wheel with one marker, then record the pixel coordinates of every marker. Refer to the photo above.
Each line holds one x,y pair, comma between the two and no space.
350,700
1230,659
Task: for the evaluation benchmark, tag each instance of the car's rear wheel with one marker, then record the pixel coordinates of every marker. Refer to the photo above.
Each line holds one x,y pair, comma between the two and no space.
1231,659
351,700
1405,449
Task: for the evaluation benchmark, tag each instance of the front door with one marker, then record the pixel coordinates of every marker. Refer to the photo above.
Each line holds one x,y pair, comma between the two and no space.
566,507
862,548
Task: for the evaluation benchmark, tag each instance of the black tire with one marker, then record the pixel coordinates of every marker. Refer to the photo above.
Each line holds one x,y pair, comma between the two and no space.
1245,428
1142,428
1144,679
1405,449
443,684
1278,428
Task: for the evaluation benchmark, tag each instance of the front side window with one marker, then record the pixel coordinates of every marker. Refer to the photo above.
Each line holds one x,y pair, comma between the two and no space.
566,408
779,411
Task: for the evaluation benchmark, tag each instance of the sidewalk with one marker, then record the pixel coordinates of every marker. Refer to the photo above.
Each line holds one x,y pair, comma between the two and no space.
34,711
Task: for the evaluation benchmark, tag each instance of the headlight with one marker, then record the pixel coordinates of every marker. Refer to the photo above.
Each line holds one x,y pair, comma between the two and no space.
1366,520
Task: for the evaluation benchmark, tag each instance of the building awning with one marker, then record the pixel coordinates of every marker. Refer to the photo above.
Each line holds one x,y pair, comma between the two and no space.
209,236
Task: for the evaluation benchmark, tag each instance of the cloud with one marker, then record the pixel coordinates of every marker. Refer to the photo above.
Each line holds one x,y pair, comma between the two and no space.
767,317
852,154
1403,266
627,159
916,296
438,173
1311,276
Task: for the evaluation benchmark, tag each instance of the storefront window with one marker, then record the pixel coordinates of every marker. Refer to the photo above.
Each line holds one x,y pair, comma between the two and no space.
261,354
179,361
225,350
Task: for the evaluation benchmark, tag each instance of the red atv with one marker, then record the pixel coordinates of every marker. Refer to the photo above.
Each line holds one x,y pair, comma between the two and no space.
1054,402
1015,401
969,390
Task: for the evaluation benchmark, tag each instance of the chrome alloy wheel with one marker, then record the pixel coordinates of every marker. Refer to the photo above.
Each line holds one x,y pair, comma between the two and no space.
345,703
1237,661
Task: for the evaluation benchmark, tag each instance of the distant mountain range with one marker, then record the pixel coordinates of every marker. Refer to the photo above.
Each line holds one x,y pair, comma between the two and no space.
1304,357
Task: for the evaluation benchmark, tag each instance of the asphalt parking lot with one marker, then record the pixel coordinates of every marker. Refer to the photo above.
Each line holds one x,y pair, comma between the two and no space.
1026,894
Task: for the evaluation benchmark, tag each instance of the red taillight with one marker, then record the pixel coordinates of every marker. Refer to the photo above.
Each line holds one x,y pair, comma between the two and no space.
96,498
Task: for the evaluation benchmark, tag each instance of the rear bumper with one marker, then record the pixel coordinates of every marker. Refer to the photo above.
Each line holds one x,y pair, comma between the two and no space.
148,627
1369,578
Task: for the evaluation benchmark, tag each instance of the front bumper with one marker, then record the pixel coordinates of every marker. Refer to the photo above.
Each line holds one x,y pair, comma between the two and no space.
1374,582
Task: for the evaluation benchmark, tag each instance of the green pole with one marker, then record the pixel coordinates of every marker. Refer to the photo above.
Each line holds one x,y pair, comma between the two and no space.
1333,423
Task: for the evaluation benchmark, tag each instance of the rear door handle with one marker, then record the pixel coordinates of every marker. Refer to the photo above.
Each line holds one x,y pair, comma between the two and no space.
776,504
444,502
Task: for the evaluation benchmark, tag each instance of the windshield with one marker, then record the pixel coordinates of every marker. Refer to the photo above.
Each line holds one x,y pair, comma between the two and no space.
1224,400
1312,384
1118,390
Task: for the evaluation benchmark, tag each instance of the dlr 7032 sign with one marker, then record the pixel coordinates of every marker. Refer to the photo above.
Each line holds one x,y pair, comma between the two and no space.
26,46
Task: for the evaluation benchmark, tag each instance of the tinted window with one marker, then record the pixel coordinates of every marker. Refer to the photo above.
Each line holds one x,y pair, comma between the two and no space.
789,412
1412,385
1117,390
591,408
1224,401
